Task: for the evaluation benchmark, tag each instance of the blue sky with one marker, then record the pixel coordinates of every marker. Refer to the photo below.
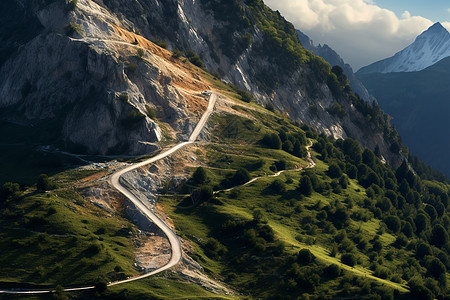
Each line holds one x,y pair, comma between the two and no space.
363,31
435,10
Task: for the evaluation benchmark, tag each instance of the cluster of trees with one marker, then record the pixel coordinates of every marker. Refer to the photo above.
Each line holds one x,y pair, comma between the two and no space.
293,143
414,211
11,191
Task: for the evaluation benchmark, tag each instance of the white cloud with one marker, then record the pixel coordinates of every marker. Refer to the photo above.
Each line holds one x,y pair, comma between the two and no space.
360,31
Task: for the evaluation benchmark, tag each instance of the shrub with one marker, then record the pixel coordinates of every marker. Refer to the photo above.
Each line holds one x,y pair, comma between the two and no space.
259,217
382,272
101,285
151,112
133,118
123,97
281,164
214,248
131,67
195,59
177,53
162,43
278,186
393,223
140,52
73,28
337,110
71,5
269,106
93,249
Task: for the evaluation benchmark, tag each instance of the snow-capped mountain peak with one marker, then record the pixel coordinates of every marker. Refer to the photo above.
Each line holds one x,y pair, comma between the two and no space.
428,48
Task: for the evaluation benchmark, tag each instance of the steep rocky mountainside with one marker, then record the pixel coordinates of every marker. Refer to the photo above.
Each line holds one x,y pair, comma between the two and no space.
95,82
334,59
83,72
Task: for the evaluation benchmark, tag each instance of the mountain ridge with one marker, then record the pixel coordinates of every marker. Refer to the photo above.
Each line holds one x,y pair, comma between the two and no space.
428,48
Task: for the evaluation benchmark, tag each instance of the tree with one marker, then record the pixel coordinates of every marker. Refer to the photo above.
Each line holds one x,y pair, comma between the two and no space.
299,151
278,186
44,184
241,176
407,229
343,181
59,293
439,236
203,194
272,140
352,150
348,259
288,146
199,176
436,268
281,164
393,223
305,187
369,158
423,250
332,271
305,257
334,171
422,222
101,285
9,191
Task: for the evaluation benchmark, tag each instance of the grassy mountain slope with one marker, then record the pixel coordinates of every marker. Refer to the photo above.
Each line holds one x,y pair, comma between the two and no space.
364,223
58,238
418,102
349,226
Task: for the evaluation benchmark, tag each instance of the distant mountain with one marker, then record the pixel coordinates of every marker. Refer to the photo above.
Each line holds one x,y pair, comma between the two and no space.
428,48
334,59
420,104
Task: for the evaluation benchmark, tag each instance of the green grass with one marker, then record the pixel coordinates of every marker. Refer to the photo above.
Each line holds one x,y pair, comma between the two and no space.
236,145
164,288
47,239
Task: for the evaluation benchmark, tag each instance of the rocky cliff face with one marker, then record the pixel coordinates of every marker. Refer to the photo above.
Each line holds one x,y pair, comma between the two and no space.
82,60
84,73
216,31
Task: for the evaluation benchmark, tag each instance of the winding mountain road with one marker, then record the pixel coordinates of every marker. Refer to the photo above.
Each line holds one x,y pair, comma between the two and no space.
115,181
311,164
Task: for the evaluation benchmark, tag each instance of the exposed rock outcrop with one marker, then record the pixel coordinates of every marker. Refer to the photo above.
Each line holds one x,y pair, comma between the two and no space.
80,62
83,73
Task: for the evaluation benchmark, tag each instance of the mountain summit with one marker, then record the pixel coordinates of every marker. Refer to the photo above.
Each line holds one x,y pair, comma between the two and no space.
428,48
